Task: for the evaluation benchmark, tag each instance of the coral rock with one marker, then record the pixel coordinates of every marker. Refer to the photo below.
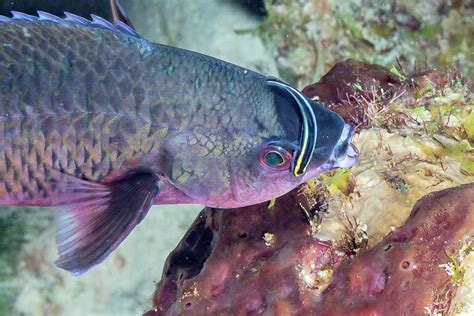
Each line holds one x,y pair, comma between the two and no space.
251,259
350,81
260,260
404,274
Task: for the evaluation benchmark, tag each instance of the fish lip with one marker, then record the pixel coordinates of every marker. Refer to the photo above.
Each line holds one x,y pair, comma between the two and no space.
353,151
350,155
345,155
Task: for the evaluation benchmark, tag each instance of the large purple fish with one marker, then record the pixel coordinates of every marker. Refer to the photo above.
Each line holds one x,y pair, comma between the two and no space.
103,124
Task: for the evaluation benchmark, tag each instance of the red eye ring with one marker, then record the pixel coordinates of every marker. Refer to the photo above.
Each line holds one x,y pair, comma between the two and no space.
275,158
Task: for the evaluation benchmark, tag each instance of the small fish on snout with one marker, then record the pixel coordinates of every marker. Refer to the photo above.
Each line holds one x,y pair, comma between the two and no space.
102,124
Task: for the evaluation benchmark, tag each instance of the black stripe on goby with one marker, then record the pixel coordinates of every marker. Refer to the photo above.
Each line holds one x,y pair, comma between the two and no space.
309,127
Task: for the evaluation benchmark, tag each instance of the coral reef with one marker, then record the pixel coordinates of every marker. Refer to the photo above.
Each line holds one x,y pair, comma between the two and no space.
308,37
318,248
357,90
405,273
242,261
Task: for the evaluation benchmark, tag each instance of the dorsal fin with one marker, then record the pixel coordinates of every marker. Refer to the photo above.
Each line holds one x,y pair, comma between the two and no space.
45,16
119,14
23,16
95,21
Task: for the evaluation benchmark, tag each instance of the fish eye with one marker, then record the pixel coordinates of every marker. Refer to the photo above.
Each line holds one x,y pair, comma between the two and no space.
275,157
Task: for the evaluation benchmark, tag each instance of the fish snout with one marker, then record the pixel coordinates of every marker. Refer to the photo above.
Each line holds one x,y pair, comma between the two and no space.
353,152
346,154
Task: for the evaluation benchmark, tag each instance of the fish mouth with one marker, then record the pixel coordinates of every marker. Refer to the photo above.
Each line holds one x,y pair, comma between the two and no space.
346,154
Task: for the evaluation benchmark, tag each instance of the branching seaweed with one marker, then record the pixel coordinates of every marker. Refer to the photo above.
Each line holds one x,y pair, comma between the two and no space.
356,237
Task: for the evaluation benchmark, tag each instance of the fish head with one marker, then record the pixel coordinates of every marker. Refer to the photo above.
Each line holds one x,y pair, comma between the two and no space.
283,141
306,141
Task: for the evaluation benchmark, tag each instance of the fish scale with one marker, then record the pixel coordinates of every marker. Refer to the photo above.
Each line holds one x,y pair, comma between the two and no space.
56,73
73,148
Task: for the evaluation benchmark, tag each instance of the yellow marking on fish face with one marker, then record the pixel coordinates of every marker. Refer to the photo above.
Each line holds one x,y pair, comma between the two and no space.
298,166
303,150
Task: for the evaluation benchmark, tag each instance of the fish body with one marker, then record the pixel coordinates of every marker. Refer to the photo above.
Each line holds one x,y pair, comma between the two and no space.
102,123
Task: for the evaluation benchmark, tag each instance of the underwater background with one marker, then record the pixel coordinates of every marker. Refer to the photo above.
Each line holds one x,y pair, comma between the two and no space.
298,41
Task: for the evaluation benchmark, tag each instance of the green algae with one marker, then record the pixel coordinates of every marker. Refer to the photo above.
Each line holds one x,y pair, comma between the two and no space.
461,151
468,124
397,72
339,180
455,267
440,121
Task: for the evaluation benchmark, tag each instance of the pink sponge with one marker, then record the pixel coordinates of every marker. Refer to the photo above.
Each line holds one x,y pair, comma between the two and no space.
257,260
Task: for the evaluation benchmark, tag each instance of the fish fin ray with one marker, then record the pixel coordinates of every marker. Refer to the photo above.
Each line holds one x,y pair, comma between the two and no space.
120,15
23,16
88,231
45,16
74,18
95,21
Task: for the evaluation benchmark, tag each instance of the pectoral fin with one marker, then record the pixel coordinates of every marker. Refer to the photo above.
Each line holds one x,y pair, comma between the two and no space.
95,218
